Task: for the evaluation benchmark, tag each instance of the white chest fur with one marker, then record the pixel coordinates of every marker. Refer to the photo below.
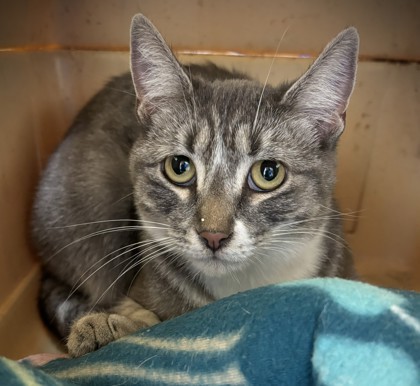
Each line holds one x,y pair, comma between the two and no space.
269,268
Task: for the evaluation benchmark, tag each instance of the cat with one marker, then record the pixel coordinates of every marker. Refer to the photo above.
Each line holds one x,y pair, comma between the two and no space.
191,184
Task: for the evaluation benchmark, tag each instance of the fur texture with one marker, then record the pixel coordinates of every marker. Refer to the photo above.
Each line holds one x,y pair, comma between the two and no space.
108,221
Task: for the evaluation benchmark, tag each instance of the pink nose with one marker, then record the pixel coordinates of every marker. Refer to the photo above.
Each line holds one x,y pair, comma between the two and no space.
213,239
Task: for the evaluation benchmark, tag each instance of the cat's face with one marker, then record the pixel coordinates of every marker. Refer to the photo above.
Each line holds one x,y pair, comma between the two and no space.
201,171
234,170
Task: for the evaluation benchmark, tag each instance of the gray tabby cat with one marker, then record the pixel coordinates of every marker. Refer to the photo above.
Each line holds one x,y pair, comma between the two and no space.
192,184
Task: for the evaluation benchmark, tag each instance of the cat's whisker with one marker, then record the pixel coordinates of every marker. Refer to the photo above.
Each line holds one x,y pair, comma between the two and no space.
266,79
151,243
141,261
103,232
259,265
234,276
119,90
173,254
312,232
273,241
194,104
281,242
138,272
258,258
353,214
195,275
146,223
155,244
74,289
284,254
158,248
291,230
163,250
107,221
111,285
122,198
176,255
137,245
168,246
283,250
317,233
309,231
312,219
187,107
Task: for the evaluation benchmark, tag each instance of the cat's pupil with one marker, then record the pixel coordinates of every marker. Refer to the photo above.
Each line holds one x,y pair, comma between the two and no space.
180,164
269,170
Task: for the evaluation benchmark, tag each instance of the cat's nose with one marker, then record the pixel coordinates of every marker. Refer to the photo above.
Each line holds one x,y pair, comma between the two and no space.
213,239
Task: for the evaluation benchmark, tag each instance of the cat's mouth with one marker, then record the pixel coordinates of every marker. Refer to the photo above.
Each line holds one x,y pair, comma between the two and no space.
218,262
215,265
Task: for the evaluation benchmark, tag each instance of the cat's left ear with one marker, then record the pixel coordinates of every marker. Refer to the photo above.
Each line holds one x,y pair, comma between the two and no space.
158,78
323,92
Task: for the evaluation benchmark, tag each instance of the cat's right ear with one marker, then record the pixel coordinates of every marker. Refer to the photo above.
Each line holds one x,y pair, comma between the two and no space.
323,92
157,76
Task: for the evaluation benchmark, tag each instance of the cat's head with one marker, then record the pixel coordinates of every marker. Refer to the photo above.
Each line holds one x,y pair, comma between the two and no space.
234,169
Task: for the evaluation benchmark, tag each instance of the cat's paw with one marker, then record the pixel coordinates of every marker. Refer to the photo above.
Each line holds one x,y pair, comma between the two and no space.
93,331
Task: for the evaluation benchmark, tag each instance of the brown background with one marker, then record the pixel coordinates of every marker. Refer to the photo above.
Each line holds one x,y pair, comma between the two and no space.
55,54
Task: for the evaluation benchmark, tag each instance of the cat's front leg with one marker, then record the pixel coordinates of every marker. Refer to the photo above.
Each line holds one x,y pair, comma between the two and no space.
92,331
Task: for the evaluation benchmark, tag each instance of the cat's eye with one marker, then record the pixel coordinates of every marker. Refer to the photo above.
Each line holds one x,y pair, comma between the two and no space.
266,175
180,170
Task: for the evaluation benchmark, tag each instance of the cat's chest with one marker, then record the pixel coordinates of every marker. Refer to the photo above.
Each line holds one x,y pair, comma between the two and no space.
269,268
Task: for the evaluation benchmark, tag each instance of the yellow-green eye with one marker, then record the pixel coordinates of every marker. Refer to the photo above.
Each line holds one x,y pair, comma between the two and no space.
266,175
180,170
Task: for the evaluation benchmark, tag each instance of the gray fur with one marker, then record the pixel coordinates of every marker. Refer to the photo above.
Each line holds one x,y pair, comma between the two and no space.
107,173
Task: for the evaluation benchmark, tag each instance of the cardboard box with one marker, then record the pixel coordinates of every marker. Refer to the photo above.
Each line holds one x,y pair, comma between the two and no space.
55,54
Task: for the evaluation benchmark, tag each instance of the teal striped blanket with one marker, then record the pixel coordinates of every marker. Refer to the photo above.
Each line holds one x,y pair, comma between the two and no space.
314,332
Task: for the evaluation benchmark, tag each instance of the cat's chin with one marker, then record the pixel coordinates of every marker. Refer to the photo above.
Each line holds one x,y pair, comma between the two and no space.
216,267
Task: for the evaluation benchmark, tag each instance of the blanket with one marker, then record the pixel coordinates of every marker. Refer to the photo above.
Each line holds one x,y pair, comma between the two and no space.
319,331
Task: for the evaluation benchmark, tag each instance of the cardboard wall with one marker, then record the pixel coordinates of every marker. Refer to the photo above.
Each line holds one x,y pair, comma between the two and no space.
55,54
